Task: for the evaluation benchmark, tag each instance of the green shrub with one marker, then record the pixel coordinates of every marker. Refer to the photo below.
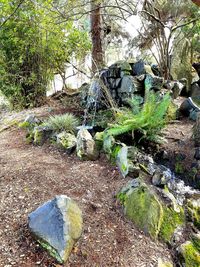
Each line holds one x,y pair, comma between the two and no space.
149,120
66,122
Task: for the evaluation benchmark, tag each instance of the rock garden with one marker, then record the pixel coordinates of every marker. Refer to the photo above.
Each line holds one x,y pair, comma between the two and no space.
127,118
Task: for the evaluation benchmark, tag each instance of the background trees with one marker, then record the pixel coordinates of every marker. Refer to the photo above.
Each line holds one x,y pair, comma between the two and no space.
38,38
34,45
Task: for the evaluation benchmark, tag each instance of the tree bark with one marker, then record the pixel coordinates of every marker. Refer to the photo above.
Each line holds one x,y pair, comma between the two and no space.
97,37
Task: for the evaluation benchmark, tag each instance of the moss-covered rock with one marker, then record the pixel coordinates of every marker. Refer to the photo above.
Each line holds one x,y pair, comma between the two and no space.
193,208
148,210
190,254
171,220
98,138
144,209
108,143
66,141
41,134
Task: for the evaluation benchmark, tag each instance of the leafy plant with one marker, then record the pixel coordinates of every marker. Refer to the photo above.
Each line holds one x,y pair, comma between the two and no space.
66,122
149,120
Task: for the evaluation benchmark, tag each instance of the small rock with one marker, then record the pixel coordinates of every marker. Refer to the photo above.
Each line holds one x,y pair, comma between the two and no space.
86,147
66,141
41,134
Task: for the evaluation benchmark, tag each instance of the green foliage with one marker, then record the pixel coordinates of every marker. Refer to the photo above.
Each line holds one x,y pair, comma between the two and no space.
149,120
66,122
34,45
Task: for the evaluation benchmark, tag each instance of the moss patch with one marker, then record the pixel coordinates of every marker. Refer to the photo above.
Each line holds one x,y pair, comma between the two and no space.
190,255
193,208
171,220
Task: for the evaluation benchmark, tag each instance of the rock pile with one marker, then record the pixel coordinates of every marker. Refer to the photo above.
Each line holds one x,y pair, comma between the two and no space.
125,80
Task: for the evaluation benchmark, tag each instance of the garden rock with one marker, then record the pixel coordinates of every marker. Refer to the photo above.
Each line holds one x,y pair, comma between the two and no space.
188,107
138,68
86,147
153,83
195,90
57,225
122,161
161,176
32,119
146,208
190,255
176,89
193,207
41,134
66,140
197,153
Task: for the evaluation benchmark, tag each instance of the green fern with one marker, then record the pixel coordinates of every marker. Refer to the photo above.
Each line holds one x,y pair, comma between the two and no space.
149,120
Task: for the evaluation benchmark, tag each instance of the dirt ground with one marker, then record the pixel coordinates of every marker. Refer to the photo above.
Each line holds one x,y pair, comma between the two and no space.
31,175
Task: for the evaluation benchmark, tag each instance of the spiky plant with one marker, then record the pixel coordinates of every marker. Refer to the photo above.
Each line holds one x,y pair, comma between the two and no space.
66,122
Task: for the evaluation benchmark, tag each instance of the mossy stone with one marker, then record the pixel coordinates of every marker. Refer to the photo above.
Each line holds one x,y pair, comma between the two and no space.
171,220
98,138
193,208
190,254
149,212
144,209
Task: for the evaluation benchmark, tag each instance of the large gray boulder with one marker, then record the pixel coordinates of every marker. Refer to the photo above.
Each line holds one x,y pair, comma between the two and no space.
57,225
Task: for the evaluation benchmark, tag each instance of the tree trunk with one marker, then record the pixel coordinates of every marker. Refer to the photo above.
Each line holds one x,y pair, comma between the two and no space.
97,37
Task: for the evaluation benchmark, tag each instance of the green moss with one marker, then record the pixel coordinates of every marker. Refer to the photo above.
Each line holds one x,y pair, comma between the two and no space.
38,137
98,138
196,241
190,255
52,252
149,212
171,220
171,112
108,143
121,196
30,138
193,208
144,209
24,124
179,168
164,264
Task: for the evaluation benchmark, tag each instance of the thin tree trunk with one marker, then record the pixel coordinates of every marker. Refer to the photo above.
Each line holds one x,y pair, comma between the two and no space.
97,37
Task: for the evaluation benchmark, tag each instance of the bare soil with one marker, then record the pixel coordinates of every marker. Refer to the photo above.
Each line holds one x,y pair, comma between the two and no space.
31,175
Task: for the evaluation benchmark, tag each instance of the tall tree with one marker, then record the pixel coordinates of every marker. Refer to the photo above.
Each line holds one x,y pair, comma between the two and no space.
98,55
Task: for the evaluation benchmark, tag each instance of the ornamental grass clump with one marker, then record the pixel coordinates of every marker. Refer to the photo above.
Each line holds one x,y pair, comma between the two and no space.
66,122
